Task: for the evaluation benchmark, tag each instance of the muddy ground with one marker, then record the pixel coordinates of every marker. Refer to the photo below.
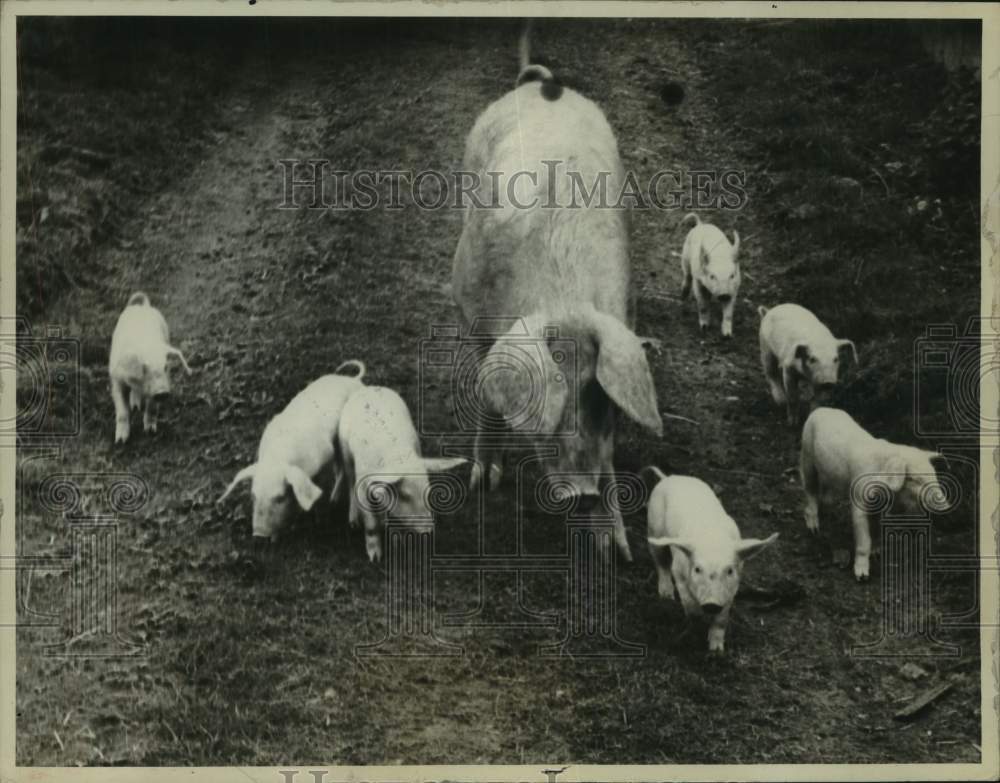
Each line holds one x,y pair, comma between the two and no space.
252,661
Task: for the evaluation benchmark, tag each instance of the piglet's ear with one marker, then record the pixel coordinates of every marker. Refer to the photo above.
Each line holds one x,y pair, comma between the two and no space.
894,470
684,546
442,464
306,493
736,244
623,372
937,456
842,344
243,475
171,351
749,547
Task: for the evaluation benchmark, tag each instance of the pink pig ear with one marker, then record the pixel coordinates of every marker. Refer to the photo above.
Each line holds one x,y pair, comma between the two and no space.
894,471
306,492
937,455
842,344
442,464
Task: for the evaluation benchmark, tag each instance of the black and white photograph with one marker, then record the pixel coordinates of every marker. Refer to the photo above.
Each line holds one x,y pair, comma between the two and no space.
499,387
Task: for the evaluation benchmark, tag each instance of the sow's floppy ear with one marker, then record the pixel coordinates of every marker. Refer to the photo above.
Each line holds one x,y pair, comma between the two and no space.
522,382
623,372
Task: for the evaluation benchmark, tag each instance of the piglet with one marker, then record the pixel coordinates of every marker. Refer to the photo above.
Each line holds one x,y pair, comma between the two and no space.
711,269
707,552
840,459
378,445
296,451
795,345
140,363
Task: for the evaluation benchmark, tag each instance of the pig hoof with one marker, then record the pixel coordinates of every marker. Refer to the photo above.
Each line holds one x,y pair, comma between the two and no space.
717,652
861,572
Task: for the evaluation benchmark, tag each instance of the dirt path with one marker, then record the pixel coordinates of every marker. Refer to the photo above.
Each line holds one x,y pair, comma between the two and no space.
255,664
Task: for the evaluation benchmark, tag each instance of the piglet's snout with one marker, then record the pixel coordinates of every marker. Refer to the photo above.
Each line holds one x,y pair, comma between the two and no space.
711,609
725,298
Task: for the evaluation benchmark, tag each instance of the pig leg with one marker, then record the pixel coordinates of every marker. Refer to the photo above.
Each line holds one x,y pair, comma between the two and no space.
149,415
717,632
862,543
686,272
489,460
790,379
621,539
691,607
354,511
664,582
121,411
772,374
373,537
704,317
810,485
727,317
